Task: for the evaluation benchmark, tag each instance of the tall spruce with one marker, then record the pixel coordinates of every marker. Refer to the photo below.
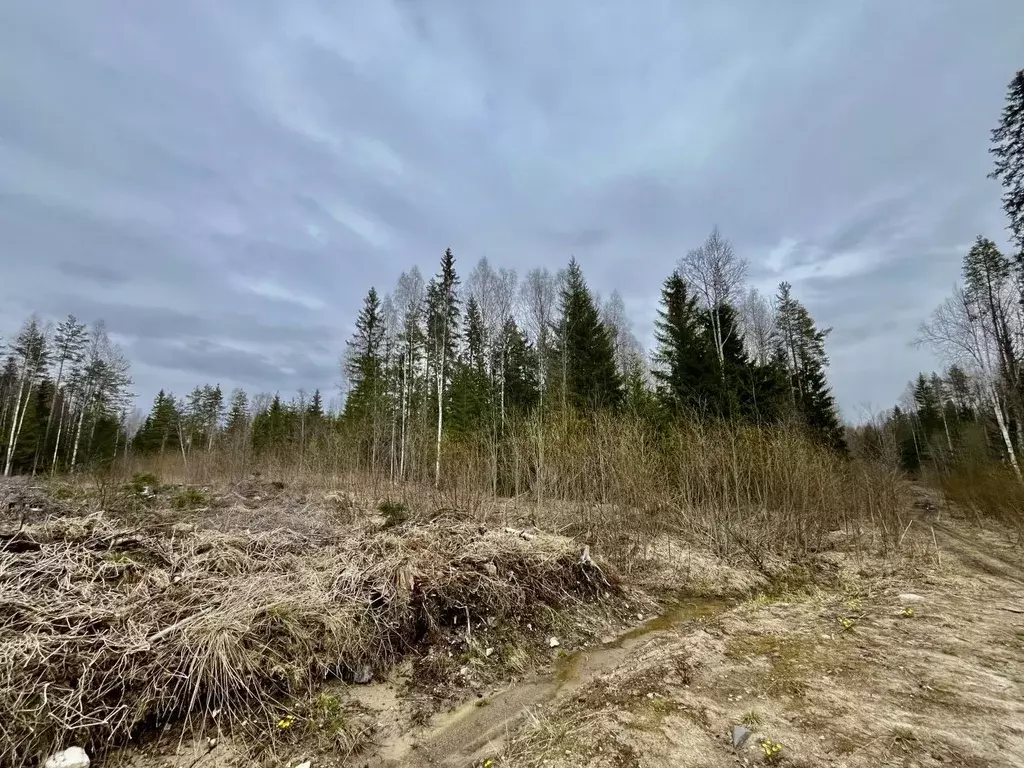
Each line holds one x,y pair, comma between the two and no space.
1008,152
364,406
521,371
685,359
801,348
364,364
470,388
584,349
442,337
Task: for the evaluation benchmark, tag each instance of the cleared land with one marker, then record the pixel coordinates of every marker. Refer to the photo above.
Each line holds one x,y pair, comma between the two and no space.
259,623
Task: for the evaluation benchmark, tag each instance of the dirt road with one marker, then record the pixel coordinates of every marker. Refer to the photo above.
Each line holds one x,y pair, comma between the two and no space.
919,663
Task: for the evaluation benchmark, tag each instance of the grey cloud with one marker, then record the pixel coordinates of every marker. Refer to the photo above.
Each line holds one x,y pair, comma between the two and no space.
223,181
210,361
94,272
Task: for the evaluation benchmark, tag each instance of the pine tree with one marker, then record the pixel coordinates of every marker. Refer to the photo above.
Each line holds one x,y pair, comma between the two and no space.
684,359
583,349
1008,150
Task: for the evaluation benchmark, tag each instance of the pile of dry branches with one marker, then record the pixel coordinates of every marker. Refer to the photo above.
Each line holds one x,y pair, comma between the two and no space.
105,631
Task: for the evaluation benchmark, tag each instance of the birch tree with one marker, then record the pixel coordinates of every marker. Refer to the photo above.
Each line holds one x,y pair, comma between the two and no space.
757,323
409,300
716,274
442,332
69,342
957,331
106,378
31,352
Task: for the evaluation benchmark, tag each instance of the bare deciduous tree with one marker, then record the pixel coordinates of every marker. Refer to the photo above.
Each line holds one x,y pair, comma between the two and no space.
758,325
957,330
716,273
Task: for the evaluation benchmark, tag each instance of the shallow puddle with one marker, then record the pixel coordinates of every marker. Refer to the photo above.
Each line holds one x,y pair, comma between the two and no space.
474,730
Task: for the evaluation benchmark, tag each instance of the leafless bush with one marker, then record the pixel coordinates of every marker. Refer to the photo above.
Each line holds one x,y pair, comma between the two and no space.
619,481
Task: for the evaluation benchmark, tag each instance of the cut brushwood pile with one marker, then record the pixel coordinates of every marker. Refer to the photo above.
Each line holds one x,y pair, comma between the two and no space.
106,629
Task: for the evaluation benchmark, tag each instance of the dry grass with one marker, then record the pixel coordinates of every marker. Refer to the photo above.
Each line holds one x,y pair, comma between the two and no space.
106,630
986,492
621,483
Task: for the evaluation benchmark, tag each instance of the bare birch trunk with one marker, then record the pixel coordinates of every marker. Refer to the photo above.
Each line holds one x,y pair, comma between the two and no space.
13,439
1004,431
60,431
78,435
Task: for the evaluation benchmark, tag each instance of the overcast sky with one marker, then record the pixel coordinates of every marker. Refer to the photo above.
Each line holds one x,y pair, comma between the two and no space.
222,181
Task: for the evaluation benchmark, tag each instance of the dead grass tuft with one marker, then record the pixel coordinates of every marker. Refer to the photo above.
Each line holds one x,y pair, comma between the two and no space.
105,629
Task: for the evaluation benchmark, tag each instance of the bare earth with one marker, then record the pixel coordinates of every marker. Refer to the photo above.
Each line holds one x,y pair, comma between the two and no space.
920,666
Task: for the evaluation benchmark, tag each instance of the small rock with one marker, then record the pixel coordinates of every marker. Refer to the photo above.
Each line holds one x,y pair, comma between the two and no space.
909,597
488,652
464,671
305,764
740,734
553,642
362,674
72,757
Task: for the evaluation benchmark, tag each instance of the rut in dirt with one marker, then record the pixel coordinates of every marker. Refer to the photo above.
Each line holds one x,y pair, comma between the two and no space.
477,730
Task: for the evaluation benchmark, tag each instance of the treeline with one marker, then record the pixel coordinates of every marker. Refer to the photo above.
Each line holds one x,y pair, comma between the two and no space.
442,361
64,398
973,414
487,366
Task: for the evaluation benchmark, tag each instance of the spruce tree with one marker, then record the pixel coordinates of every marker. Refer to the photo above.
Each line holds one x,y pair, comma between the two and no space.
470,395
583,348
442,336
365,365
685,360
1008,152
521,370
801,344
159,429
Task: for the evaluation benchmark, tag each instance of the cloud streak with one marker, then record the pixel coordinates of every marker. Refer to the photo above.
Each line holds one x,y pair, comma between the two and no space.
223,181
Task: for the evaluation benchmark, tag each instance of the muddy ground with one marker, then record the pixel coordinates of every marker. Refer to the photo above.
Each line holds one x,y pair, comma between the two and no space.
908,660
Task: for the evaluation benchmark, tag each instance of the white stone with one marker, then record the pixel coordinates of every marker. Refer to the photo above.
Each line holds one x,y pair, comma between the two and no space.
910,597
306,764
72,757
553,642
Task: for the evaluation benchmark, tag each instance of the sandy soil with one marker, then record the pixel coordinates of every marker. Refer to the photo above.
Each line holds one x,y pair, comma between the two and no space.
921,666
